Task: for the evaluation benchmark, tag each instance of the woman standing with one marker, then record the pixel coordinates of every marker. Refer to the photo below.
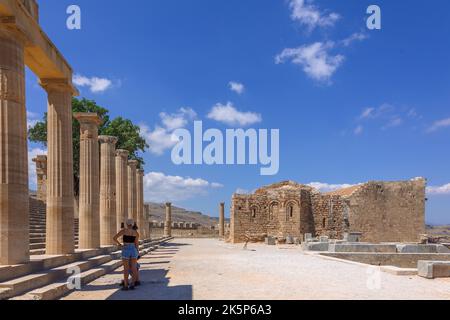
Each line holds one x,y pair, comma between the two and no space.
130,253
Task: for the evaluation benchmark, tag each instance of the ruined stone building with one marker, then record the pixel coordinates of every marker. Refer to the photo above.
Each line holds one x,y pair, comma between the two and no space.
382,211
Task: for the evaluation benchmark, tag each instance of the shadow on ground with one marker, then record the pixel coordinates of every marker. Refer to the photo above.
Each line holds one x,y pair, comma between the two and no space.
155,283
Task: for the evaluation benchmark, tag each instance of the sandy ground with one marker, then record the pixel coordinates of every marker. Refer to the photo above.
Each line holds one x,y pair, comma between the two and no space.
211,269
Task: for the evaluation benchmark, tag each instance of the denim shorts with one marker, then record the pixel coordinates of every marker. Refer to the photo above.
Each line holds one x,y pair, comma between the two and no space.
129,251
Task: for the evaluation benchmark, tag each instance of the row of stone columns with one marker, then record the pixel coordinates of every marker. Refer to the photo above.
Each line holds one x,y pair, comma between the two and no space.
110,196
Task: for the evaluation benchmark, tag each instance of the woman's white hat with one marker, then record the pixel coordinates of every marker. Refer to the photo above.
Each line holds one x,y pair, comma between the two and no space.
130,222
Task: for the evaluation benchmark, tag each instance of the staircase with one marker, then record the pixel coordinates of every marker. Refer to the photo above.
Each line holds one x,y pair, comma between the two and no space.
47,277
37,227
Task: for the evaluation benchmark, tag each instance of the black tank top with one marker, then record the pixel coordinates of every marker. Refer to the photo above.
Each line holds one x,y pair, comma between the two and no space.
129,239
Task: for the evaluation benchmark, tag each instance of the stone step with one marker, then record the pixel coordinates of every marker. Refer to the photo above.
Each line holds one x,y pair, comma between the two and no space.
29,282
59,289
434,269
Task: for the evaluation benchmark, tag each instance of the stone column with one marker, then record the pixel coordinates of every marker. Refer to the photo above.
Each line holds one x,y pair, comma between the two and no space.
168,222
132,197
14,202
147,220
121,187
108,222
140,202
41,175
222,220
89,233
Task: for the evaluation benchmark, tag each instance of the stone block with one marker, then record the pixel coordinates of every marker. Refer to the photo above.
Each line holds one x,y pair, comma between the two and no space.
271,241
308,237
362,247
433,269
352,236
324,239
289,240
315,246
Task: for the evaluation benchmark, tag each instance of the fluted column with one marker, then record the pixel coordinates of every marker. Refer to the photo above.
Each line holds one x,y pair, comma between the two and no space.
89,181
121,187
41,174
222,220
140,202
14,233
132,197
147,221
168,222
108,222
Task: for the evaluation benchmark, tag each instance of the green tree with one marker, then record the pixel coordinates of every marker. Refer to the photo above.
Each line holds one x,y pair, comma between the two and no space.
128,134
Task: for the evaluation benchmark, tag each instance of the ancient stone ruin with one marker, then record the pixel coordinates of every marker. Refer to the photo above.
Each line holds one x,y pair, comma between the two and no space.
381,211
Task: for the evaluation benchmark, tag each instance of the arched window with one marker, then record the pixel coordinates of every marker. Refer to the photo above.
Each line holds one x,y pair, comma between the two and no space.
253,212
289,211
324,222
273,210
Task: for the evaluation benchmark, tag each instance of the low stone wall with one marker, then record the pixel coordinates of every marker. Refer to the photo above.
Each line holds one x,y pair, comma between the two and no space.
185,233
401,260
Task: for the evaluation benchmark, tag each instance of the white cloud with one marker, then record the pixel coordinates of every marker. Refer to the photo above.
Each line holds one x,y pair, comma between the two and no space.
388,116
159,187
32,153
309,15
440,124
357,36
95,84
439,190
242,191
32,119
237,87
326,187
160,138
177,120
230,115
358,130
315,59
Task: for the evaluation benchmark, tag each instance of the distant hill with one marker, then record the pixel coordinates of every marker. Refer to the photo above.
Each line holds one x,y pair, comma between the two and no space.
158,213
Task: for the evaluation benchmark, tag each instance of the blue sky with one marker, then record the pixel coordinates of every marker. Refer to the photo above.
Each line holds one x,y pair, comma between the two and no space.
352,104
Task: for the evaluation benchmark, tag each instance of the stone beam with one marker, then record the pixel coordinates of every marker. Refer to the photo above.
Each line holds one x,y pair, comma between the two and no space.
40,54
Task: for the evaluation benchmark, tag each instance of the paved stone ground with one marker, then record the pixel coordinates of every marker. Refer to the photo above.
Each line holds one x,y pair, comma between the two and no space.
210,269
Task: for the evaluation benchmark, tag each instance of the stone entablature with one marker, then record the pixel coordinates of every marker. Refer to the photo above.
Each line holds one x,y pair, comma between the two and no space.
382,211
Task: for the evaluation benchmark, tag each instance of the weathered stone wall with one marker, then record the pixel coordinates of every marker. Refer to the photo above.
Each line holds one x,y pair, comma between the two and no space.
328,215
382,211
389,211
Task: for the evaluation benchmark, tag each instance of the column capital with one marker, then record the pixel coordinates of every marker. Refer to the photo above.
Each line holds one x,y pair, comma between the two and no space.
122,153
88,118
59,85
222,204
133,163
108,140
168,204
140,172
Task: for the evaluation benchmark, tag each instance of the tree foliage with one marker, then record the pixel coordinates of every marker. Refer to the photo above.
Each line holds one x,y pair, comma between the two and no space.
128,134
